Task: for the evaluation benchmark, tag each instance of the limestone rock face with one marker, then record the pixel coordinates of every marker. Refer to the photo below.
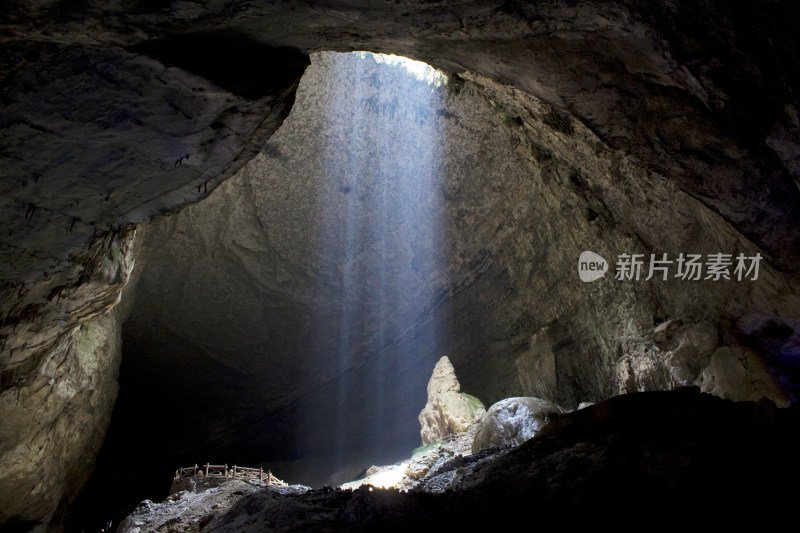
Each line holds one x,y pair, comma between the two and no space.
59,387
447,411
181,126
628,128
166,79
739,374
674,355
250,284
512,421
36,316
681,354
443,379
54,423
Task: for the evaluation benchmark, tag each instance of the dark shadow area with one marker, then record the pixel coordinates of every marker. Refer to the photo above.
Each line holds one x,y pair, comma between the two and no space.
666,458
19,526
235,62
179,407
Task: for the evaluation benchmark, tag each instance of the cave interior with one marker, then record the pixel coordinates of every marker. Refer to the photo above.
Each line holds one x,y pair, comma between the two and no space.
245,234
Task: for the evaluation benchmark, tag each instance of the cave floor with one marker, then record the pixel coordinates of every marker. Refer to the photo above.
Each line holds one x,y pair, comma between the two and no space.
639,460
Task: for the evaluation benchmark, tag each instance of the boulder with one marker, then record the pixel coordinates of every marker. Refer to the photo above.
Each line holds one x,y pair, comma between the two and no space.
448,411
512,421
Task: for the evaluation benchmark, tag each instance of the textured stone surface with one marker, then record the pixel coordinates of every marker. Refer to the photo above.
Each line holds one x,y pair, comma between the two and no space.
739,374
54,423
191,510
447,414
58,397
690,143
688,354
239,285
443,378
37,315
654,451
512,421
447,411
668,83
675,356
416,470
97,137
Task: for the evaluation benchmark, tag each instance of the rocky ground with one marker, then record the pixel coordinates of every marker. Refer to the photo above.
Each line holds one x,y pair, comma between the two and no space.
196,505
426,462
664,458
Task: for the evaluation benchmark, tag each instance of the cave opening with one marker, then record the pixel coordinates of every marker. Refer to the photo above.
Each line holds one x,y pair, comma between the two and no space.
291,320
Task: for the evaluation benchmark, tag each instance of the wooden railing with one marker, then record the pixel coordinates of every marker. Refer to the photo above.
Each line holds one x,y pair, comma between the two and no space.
222,471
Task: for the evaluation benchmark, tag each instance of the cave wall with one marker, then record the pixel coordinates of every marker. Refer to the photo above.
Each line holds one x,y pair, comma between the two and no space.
60,428
55,414
699,97
247,287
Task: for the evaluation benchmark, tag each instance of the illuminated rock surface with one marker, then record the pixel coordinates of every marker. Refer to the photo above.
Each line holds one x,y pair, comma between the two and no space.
512,421
448,410
191,510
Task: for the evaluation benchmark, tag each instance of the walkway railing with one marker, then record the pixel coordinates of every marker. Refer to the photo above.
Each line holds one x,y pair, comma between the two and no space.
222,471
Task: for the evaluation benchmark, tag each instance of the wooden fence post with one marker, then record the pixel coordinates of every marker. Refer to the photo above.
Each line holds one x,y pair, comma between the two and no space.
206,469
261,473
234,471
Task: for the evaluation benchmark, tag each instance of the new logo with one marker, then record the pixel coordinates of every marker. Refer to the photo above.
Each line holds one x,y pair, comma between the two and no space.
591,266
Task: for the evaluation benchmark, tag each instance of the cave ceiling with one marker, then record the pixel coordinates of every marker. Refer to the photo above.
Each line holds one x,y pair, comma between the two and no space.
115,113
